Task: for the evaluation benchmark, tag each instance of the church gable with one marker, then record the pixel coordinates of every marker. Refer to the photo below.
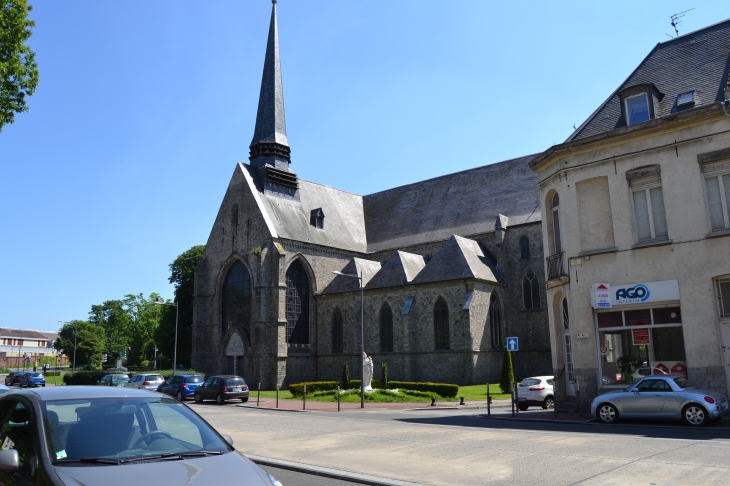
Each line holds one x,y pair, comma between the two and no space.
459,258
399,270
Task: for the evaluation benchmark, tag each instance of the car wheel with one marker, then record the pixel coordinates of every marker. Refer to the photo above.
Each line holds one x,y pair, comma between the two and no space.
198,398
219,399
244,399
695,415
43,385
607,413
523,407
548,403
179,396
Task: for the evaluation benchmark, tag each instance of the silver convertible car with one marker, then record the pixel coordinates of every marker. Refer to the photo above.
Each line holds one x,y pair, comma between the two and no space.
661,397
84,435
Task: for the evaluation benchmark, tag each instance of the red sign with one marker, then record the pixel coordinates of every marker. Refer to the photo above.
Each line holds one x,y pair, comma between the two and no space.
660,369
641,336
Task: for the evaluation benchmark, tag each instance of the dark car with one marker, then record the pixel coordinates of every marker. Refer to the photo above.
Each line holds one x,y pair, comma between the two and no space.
181,386
221,388
115,379
13,378
34,378
74,435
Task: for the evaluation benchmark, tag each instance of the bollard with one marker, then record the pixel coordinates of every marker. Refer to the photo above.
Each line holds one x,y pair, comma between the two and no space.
304,403
338,398
512,399
555,399
489,402
433,401
577,397
462,401
517,398
258,395
277,395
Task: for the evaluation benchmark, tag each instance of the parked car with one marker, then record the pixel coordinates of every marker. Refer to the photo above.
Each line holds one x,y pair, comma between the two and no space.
71,435
221,388
34,378
13,378
181,386
146,381
4,389
115,379
536,390
661,397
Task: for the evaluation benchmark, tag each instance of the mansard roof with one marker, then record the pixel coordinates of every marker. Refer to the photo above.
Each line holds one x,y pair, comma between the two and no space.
399,270
698,61
357,266
460,258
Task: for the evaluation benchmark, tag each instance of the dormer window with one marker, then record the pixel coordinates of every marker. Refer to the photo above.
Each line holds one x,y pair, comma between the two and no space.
637,109
316,218
685,99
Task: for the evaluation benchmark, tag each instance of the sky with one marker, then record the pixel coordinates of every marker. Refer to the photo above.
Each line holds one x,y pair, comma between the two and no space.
144,108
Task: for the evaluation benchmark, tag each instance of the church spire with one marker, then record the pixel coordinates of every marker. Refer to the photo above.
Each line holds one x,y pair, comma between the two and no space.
269,145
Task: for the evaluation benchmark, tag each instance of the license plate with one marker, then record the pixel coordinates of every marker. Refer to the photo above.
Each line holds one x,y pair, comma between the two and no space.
236,388
521,399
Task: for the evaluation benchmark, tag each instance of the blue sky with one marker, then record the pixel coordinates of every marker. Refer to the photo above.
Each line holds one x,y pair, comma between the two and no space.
144,107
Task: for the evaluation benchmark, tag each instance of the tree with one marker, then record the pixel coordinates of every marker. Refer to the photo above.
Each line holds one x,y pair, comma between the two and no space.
18,69
384,375
182,275
508,373
115,323
89,342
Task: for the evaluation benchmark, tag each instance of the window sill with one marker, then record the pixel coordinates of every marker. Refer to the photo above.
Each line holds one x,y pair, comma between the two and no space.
612,249
718,234
649,243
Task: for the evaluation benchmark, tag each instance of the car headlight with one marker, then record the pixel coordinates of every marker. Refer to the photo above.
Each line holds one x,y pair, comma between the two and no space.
273,480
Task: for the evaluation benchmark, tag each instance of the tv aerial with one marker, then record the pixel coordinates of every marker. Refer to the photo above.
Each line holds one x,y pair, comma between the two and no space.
675,21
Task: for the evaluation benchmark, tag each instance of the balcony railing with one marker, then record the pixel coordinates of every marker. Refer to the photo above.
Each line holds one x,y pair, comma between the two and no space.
555,266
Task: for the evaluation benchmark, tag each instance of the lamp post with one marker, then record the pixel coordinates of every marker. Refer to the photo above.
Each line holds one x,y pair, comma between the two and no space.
76,331
362,334
177,313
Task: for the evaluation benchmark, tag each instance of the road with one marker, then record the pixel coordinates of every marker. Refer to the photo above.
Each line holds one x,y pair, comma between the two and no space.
448,447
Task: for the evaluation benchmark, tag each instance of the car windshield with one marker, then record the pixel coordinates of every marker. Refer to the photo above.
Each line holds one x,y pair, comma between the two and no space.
194,379
682,382
235,382
133,428
530,382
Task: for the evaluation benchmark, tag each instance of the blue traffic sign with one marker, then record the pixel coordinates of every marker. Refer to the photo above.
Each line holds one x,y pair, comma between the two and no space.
513,344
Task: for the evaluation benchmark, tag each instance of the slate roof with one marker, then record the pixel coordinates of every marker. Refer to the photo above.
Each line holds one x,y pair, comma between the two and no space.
399,270
698,61
22,334
463,203
460,258
356,266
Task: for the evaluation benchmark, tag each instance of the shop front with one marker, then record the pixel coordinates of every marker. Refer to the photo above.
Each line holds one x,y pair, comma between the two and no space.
638,331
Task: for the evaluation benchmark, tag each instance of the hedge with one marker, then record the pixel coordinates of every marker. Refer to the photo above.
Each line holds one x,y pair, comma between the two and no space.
83,377
355,384
297,389
445,390
51,373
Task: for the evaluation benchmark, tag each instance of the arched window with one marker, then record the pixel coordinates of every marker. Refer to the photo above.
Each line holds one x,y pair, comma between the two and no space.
495,321
386,329
556,224
566,319
441,325
234,216
531,291
236,308
337,332
297,304
525,248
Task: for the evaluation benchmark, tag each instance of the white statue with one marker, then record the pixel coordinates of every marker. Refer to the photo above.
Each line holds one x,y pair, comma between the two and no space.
367,371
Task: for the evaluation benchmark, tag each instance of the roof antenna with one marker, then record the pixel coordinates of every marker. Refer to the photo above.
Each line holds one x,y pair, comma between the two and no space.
675,21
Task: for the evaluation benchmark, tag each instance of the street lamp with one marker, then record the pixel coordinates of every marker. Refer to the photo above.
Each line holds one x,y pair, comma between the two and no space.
76,331
177,313
362,334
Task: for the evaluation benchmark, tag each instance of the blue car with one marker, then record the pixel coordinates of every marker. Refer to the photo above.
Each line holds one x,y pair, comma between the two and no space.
181,386
34,378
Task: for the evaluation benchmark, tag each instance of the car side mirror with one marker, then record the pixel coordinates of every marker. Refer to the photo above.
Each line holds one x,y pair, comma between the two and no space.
9,460
636,391
226,437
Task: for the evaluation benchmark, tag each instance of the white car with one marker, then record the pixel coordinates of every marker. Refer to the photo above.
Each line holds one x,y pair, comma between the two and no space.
536,390
146,381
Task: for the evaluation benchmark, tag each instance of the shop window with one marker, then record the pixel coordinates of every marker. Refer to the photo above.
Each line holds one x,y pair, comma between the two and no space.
610,319
641,317
667,315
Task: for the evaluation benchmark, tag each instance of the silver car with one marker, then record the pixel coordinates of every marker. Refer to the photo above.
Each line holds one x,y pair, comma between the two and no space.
146,381
661,397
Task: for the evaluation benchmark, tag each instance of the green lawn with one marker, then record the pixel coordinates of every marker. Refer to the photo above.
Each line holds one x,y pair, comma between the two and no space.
479,392
270,394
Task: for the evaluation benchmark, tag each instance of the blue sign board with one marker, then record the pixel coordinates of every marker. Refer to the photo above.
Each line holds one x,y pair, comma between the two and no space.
513,344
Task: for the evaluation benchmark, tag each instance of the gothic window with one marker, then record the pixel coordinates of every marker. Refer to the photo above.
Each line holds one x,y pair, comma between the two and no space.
441,325
531,291
234,216
525,248
297,304
386,329
236,308
337,332
495,321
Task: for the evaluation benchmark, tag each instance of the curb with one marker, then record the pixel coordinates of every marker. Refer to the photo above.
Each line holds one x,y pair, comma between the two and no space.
329,473
254,407
544,421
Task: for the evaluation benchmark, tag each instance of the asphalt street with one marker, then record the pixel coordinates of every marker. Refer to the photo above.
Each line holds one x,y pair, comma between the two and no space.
446,447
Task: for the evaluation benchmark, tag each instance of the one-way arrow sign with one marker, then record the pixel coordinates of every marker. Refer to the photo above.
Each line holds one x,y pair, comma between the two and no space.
513,344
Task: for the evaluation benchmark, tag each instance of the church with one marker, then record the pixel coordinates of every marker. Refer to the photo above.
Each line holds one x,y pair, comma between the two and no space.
450,268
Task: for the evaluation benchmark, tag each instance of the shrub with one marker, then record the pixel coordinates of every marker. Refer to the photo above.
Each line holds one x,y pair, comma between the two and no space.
52,373
83,377
384,377
445,390
508,372
346,376
386,392
356,384
297,389
323,393
415,393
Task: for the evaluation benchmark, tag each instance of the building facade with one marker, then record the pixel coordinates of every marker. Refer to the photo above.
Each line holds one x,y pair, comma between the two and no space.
635,221
19,344
450,266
